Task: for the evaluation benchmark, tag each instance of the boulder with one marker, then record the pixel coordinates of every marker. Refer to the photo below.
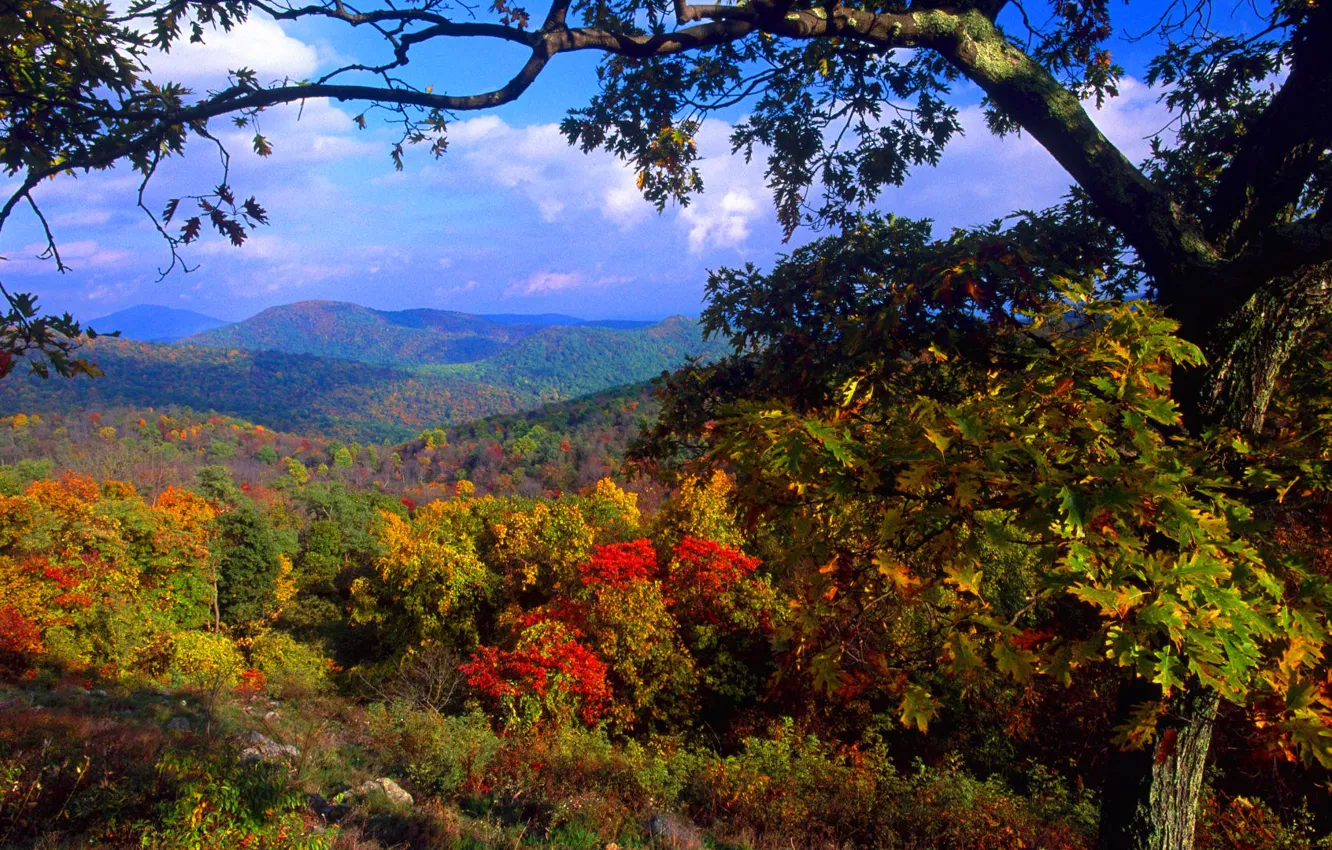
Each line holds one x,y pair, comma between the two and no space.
673,831
178,725
259,747
392,791
328,812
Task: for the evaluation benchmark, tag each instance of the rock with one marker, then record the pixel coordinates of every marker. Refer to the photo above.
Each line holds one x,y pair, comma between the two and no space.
99,693
391,790
271,717
178,725
259,747
673,831
329,812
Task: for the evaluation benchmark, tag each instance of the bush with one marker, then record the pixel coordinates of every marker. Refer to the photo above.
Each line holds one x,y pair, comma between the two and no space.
446,756
792,786
290,668
205,661
218,803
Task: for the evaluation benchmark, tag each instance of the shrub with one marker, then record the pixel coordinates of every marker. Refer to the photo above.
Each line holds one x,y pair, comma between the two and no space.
548,675
793,787
20,641
290,668
443,755
220,803
204,660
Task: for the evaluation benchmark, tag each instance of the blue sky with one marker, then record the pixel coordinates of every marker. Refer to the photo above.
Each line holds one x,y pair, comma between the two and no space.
510,220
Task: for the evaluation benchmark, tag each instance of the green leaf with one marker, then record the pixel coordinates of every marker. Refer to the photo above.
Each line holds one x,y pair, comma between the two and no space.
918,708
966,579
1014,661
963,653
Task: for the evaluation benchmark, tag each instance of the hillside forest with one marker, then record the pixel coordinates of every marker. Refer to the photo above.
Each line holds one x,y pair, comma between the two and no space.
215,632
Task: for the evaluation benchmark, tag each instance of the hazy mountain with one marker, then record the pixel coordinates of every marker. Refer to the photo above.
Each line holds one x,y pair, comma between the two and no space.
568,361
152,323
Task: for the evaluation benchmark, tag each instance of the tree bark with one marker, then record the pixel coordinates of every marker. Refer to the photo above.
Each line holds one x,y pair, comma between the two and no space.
1151,795
1248,350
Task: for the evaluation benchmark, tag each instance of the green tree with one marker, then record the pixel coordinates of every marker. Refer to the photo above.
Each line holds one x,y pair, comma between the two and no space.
946,405
247,565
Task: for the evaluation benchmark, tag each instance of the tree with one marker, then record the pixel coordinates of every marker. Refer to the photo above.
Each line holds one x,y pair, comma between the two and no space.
911,425
1228,227
247,565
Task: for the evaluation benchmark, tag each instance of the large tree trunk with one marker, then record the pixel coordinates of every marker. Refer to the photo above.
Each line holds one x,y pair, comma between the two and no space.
1151,796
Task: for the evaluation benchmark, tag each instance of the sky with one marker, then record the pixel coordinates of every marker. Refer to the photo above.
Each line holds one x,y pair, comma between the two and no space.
510,220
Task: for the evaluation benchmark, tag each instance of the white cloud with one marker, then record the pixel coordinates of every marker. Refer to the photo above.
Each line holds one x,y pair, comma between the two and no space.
545,283
113,292
982,177
81,255
82,218
538,163
722,223
258,247
258,44
551,283
445,291
563,183
734,194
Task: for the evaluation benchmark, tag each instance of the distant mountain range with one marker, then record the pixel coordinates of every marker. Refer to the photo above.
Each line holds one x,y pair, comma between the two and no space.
151,323
350,331
356,373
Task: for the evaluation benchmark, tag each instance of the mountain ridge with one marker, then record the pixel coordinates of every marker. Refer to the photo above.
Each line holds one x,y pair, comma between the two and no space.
155,323
410,337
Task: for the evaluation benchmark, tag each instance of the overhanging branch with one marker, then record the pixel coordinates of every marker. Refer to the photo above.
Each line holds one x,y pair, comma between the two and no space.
1266,176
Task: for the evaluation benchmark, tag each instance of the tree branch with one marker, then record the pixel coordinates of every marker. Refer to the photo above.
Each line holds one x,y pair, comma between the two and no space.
1282,252
1054,116
1281,150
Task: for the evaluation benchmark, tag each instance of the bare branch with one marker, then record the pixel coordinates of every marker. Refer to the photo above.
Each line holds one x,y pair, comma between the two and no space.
51,252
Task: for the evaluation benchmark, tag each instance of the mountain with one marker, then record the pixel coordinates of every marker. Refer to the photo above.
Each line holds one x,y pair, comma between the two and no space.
151,323
392,337
353,332
343,398
562,361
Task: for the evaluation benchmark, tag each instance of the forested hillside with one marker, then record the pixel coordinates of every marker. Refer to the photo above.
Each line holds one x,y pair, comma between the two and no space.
574,361
349,399
352,332
560,447
399,337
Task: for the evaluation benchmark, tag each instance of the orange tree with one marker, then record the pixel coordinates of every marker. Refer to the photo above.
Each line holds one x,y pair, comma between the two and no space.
978,466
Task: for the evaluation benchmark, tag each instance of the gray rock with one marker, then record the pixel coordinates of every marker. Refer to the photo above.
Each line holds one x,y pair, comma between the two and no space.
259,747
391,791
329,812
271,717
667,830
178,725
